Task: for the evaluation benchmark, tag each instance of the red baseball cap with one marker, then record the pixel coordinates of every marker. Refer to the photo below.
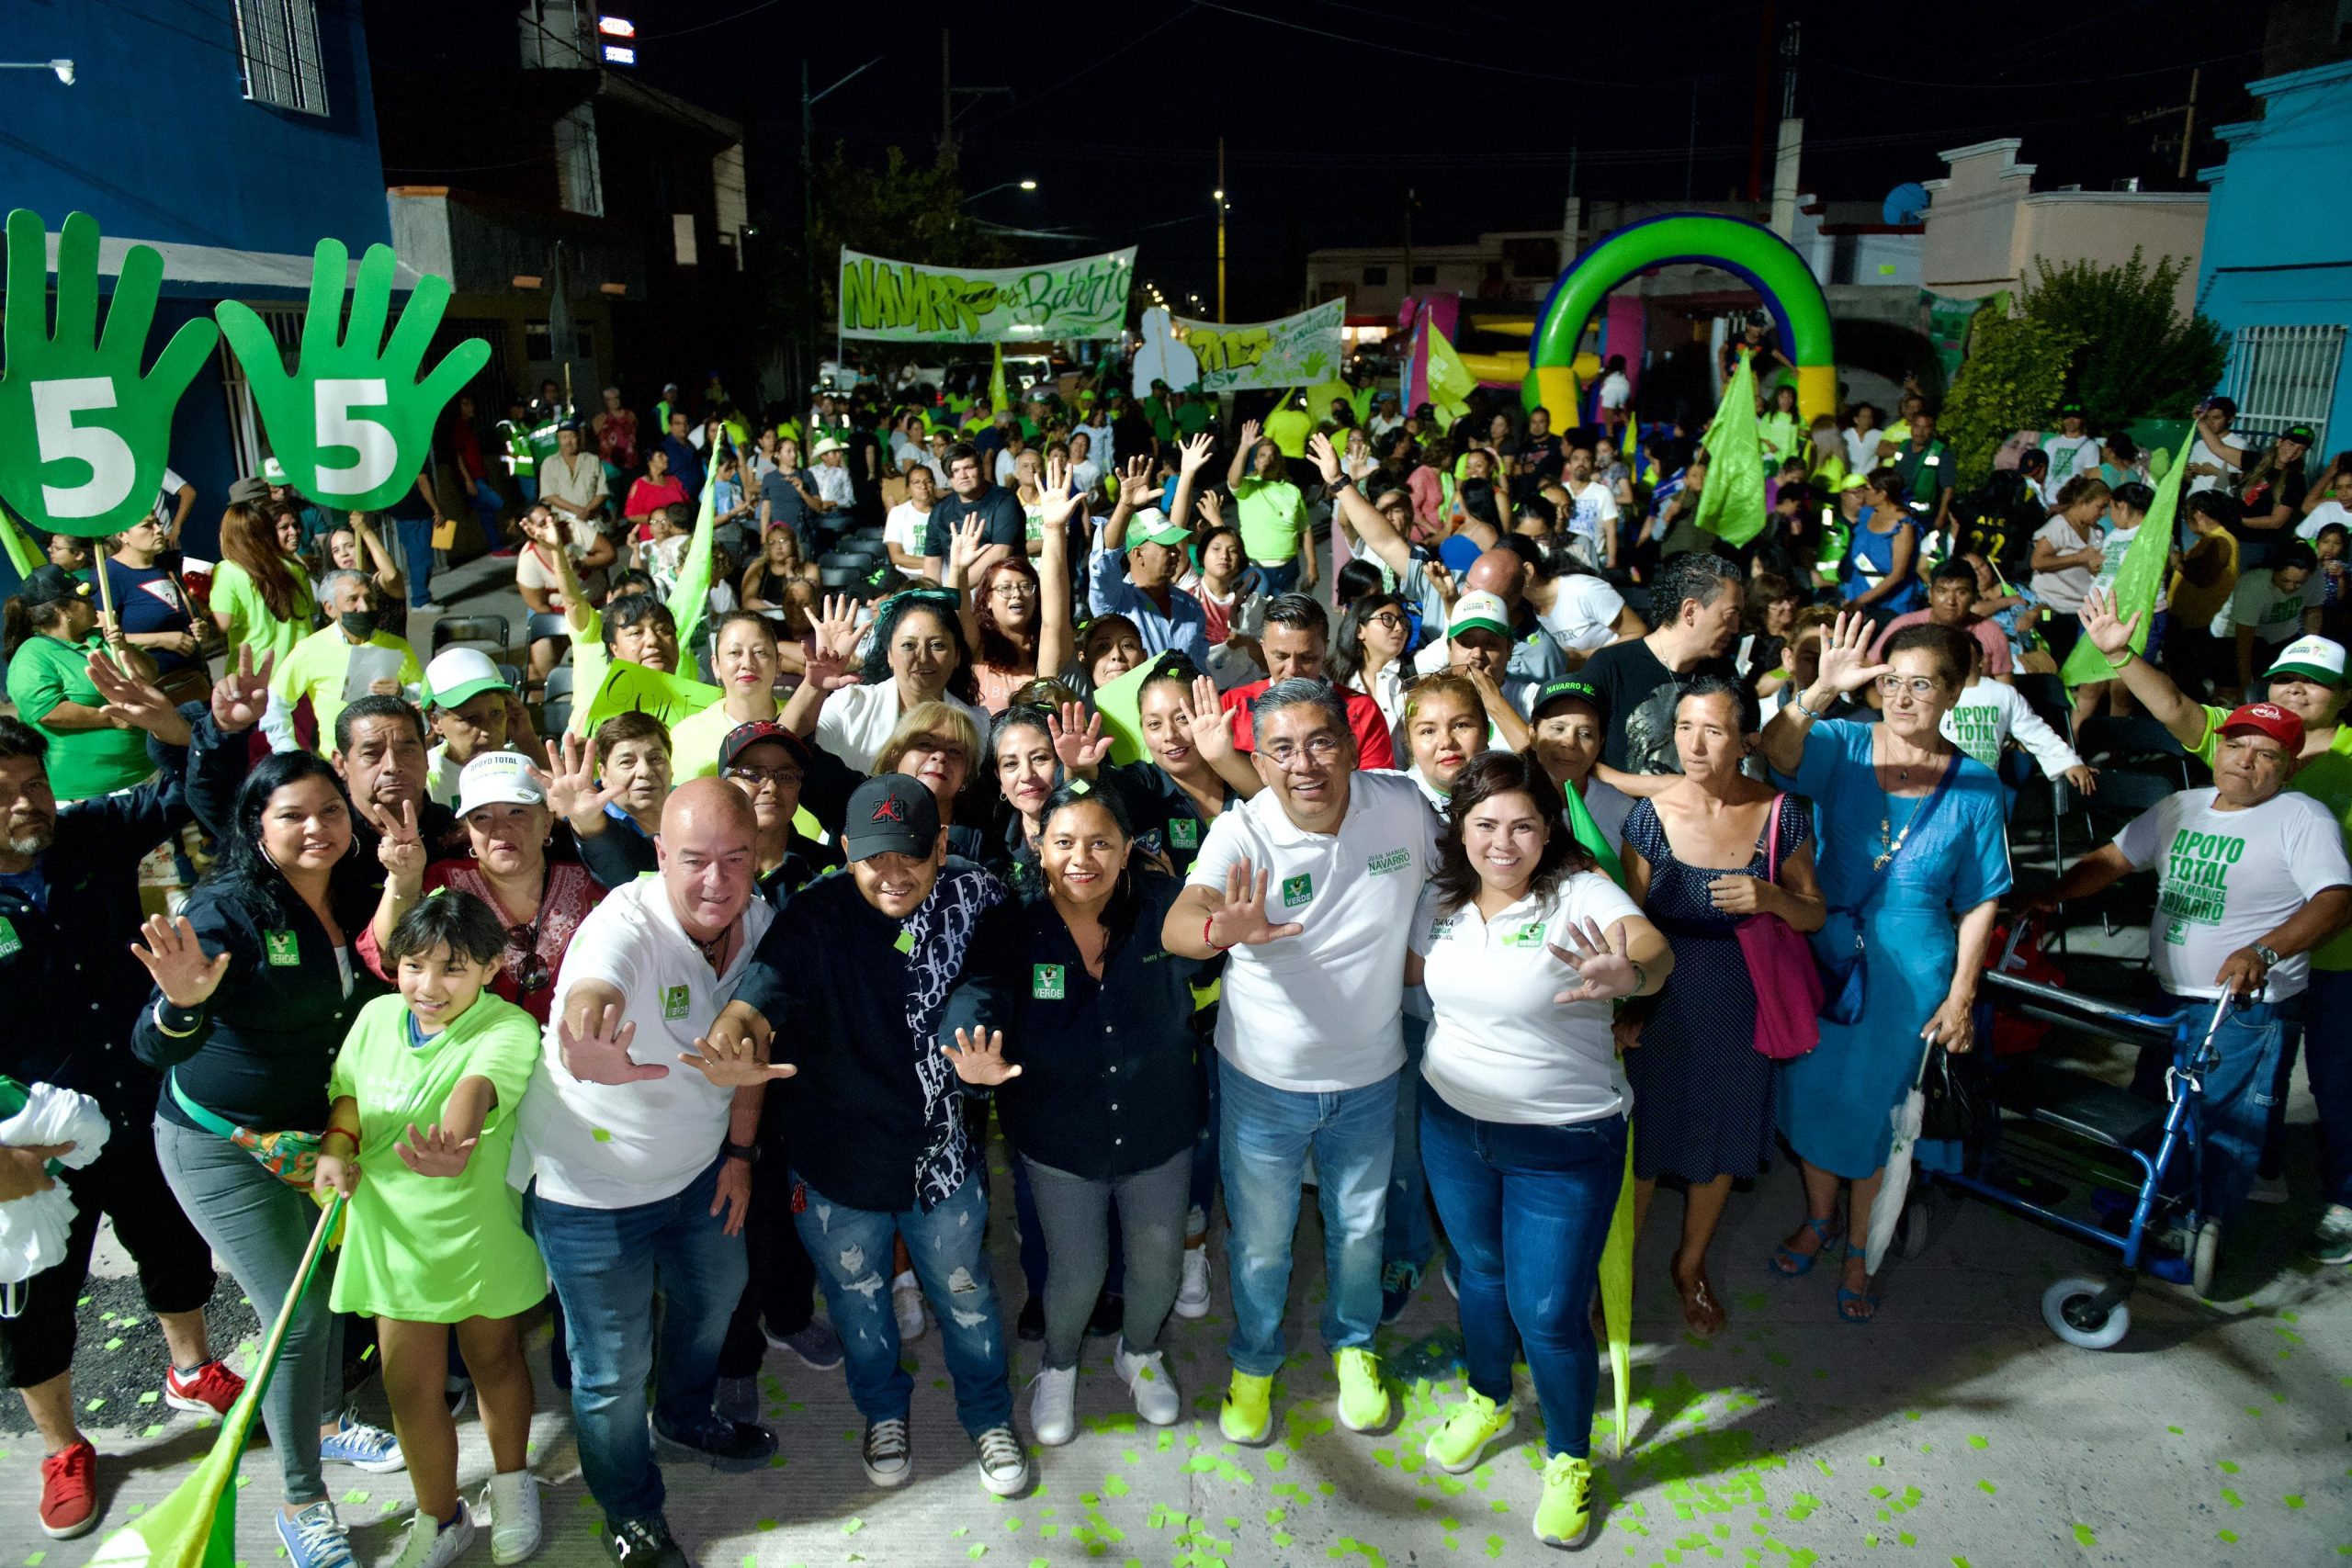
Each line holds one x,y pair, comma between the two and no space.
2266,718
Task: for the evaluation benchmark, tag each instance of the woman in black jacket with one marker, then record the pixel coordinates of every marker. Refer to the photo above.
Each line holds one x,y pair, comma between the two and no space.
256,986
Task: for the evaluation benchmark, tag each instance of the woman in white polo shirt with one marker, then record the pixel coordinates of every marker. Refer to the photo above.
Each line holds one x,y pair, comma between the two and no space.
916,654
1523,945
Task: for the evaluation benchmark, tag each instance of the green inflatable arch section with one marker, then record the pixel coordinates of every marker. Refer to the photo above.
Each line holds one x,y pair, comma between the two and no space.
1750,251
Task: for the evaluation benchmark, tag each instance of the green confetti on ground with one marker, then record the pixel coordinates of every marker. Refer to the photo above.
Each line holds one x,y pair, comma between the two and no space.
149,1397
2086,1536
1988,1488
2228,1467
2294,1499
976,1552
1493,1546
154,1431
355,1495
602,1135
1976,1442
95,1405
2231,1498
2228,1537
1876,1462
114,1344
853,1526
33,1559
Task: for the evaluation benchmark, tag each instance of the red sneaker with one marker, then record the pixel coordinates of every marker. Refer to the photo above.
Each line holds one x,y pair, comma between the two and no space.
209,1390
69,1492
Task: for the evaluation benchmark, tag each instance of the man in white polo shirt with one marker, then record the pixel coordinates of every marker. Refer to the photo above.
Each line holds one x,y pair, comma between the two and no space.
637,1173
1311,886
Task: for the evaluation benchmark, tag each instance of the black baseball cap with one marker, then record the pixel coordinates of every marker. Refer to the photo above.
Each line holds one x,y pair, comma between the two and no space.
893,815
1562,688
744,737
50,585
2302,433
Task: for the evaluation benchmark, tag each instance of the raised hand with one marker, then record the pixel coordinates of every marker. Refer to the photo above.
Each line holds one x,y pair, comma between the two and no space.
1240,920
571,785
436,1151
965,545
183,973
1059,499
400,850
1250,429
601,1055
1193,455
835,627
242,696
1327,462
979,1057
1207,722
1599,962
1846,655
1441,579
1078,738
1135,482
1212,510
83,434
732,1060
2108,634
134,704
330,450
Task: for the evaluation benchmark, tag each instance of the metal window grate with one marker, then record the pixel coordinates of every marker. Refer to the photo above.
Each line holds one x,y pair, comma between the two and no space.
578,168
2283,376
278,43
285,323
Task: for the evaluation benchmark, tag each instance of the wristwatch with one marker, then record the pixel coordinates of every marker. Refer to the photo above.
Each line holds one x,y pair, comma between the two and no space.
2269,956
748,1153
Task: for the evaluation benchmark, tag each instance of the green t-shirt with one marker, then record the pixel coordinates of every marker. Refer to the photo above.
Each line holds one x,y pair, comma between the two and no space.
235,594
1272,517
2326,778
589,662
48,670
433,1248
1193,417
321,664
695,741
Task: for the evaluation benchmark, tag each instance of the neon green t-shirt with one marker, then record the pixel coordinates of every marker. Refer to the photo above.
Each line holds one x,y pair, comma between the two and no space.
317,670
1272,517
695,741
2326,778
433,1248
47,670
235,594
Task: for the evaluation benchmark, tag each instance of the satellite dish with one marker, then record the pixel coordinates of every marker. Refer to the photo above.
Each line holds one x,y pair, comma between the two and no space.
1906,204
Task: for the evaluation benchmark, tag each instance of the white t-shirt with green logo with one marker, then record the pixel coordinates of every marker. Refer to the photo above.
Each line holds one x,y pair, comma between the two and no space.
2226,879
2069,455
1318,1013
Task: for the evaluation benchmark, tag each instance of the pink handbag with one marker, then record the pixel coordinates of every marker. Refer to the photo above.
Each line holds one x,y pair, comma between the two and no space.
1781,969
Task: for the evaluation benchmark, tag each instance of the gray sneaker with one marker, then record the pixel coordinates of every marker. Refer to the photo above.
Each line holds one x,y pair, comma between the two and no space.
2332,1239
817,1345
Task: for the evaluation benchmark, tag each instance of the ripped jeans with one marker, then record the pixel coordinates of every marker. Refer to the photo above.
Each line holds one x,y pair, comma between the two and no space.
851,1248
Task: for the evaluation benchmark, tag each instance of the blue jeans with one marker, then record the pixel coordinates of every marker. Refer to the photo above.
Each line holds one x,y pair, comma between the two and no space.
416,558
851,1248
489,508
606,1265
1279,579
1266,1134
1408,1237
1541,1197
2238,1094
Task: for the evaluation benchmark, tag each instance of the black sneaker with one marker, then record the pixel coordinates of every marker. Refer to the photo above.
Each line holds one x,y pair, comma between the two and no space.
1110,1314
729,1445
1031,1326
645,1543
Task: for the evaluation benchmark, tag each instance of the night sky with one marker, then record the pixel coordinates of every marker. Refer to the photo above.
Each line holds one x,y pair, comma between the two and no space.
1332,110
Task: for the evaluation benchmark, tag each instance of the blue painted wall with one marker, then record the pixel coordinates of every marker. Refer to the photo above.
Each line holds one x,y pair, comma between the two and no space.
156,140
2277,249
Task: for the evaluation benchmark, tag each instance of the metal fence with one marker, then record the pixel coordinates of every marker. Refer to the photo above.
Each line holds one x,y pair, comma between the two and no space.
2284,376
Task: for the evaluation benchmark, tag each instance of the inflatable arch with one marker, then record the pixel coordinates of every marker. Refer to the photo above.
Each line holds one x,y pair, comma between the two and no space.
1752,253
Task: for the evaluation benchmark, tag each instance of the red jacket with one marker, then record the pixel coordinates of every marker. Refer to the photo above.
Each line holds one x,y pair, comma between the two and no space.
1373,748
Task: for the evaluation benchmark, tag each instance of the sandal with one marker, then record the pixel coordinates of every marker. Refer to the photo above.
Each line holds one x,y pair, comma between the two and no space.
1701,1311
1856,1306
1790,1264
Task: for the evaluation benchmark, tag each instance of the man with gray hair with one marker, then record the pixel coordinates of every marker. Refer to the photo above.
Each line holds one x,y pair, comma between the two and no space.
1309,887
351,657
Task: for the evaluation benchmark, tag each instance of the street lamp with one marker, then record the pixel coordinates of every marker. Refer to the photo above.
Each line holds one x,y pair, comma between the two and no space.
64,68
1009,185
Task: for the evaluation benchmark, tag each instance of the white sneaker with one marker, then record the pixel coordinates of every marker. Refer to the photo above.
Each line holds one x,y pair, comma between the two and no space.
1192,1294
432,1544
906,1300
1053,1407
511,1501
1146,1376
1004,1468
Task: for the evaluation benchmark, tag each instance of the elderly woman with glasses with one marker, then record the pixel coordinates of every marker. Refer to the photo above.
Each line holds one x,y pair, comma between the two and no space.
502,804
1911,861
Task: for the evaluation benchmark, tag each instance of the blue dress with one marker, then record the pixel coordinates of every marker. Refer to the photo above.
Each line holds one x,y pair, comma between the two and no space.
1871,556
1835,1103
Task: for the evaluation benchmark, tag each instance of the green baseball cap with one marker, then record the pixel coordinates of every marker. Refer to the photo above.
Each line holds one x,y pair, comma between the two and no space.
1153,526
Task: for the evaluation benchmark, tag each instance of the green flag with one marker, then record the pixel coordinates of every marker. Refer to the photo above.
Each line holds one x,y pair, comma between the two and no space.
196,1527
999,399
23,554
1118,701
1586,831
1450,382
632,688
690,597
1617,1293
2137,579
1731,506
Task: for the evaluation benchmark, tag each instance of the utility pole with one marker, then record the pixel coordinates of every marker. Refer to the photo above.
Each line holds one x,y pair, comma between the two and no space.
2187,112
946,106
1220,228
808,102
1412,199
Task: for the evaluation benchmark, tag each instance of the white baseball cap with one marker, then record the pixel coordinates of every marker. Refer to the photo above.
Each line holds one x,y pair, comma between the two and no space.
2313,657
497,778
1480,610
458,673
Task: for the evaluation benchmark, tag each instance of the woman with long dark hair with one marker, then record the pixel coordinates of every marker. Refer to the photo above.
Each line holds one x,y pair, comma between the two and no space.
916,653
1368,654
256,984
1016,616
260,595
1523,946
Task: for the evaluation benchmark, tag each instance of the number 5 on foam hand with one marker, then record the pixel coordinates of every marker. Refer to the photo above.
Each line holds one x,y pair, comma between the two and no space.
83,434
352,420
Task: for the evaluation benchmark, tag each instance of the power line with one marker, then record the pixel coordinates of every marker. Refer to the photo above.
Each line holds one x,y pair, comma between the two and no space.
1022,101
1419,54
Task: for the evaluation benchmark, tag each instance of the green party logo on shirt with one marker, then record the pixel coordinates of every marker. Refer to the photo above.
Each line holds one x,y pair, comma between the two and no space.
11,943
674,1002
2195,881
280,948
1185,833
906,943
1525,936
1046,982
1297,890
1394,860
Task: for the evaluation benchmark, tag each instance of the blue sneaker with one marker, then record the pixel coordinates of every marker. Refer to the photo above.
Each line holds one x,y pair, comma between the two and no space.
314,1537
362,1446
1399,1280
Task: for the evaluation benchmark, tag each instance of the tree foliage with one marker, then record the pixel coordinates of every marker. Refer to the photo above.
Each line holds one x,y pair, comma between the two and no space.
2136,356
2013,380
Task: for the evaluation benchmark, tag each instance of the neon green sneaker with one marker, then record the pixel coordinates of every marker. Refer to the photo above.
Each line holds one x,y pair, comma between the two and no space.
1565,1515
1455,1447
1249,1413
1363,1398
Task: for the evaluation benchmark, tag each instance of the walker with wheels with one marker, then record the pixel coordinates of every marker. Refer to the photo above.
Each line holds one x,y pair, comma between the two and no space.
2058,1128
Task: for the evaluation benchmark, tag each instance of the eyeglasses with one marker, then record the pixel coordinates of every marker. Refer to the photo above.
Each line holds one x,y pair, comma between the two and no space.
531,972
1016,589
783,778
1388,618
1285,756
1917,685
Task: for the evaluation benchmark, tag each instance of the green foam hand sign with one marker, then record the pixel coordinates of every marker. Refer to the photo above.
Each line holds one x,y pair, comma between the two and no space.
351,421
83,434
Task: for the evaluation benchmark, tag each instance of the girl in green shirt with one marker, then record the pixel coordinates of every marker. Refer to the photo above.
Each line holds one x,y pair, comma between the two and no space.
260,595
435,1239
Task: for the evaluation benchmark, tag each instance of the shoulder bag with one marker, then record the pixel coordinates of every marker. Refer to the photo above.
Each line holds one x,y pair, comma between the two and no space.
1780,968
